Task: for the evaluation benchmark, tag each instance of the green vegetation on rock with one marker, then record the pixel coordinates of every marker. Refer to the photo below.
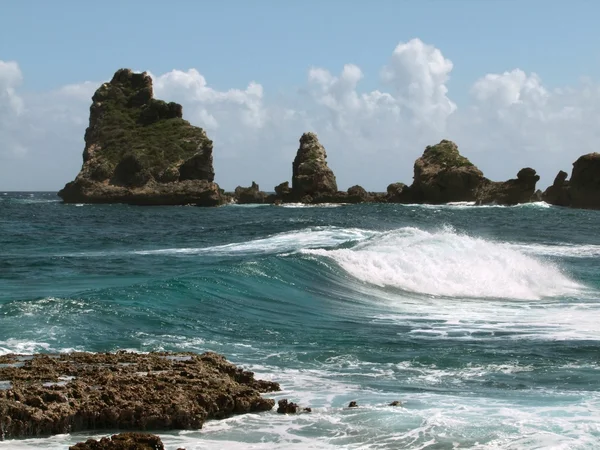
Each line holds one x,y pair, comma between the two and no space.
126,120
446,154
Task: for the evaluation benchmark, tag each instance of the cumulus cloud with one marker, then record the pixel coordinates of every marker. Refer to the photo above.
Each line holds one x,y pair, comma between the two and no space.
511,120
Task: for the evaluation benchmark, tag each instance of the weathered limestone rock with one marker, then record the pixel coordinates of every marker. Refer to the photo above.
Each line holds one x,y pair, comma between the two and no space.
442,175
55,394
311,175
139,150
122,441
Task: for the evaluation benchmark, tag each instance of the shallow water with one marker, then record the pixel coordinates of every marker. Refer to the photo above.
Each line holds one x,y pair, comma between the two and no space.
483,321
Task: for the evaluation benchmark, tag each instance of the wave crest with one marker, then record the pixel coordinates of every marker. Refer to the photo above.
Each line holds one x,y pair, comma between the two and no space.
446,263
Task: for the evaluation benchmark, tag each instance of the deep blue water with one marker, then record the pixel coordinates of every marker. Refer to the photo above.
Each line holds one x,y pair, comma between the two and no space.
483,321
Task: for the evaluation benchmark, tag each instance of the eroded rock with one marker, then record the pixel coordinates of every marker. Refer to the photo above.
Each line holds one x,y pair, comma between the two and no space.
582,190
122,441
158,391
310,173
140,150
511,192
252,194
443,175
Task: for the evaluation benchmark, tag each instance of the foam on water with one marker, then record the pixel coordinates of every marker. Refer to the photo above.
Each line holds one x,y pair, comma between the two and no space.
446,263
279,243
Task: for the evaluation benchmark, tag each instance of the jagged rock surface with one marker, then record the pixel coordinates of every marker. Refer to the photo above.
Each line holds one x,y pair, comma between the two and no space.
140,150
511,192
252,194
55,394
122,441
310,173
582,190
442,175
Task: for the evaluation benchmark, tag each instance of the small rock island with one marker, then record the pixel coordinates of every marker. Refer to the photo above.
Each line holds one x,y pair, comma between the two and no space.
140,150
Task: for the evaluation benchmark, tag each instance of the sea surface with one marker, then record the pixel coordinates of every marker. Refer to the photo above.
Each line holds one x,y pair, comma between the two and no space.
483,321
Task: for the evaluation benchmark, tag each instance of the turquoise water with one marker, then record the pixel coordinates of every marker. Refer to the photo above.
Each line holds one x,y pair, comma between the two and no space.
483,321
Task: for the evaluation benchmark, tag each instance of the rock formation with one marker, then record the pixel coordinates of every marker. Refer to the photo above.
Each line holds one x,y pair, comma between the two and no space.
252,194
398,193
582,190
442,175
122,441
55,394
310,174
140,150
511,192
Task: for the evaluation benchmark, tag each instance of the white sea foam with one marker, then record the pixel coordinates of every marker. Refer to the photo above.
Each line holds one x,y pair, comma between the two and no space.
279,243
449,264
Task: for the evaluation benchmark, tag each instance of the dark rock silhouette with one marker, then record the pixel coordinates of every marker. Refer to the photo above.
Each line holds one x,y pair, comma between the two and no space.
139,150
511,192
582,190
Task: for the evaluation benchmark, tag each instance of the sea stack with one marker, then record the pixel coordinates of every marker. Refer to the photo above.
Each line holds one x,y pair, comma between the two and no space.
311,176
140,150
582,190
443,175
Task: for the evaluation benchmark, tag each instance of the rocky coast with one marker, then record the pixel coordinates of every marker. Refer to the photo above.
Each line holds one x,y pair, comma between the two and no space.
140,150
43,395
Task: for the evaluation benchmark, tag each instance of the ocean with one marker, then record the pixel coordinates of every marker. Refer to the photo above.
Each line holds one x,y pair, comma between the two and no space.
483,321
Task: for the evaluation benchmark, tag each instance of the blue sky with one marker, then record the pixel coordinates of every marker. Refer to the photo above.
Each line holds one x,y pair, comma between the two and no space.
275,43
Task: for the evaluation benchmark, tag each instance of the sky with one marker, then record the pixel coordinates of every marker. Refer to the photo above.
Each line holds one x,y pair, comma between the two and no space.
514,83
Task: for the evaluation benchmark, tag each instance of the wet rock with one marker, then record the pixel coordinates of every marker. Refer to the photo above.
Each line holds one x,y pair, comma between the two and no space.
286,407
511,192
158,391
353,404
123,441
310,173
357,194
139,150
252,194
395,403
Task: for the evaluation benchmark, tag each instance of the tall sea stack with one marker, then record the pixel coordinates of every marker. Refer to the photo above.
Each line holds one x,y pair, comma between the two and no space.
310,173
140,150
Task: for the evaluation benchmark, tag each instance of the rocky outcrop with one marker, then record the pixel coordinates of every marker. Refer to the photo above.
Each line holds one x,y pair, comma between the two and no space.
558,193
310,173
398,193
252,194
122,441
582,190
442,175
54,394
511,192
140,150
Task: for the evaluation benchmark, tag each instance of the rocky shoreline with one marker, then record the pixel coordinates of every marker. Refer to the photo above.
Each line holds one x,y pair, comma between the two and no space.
43,395
140,150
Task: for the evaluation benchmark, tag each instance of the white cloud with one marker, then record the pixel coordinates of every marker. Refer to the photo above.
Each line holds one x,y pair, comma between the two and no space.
418,73
511,120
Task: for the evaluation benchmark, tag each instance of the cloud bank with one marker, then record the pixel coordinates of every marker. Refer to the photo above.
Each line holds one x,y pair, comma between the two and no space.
511,120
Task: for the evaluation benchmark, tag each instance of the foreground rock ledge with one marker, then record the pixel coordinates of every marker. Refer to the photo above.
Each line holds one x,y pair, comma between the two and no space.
54,394
123,441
